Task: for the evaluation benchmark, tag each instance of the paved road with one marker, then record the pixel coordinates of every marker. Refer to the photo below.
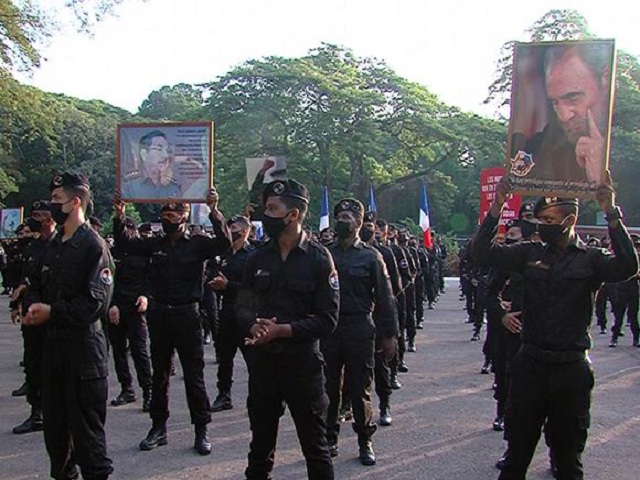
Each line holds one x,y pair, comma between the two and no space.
441,429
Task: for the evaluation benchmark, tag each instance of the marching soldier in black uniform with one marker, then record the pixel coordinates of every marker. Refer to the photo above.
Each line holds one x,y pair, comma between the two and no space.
177,269
382,370
227,282
411,293
36,254
552,377
349,351
288,301
128,323
76,289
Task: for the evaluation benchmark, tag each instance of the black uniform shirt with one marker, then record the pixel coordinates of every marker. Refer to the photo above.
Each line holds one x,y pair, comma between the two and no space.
232,267
132,278
559,286
364,281
177,271
36,274
81,279
302,291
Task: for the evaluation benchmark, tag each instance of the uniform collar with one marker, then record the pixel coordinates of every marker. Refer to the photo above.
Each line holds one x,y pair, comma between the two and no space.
78,235
303,243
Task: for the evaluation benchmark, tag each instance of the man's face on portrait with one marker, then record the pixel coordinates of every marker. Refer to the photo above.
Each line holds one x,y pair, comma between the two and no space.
156,159
574,90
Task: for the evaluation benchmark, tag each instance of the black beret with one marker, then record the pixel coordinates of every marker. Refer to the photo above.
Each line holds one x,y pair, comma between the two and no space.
286,188
239,219
526,211
593,242
175,207
349,205
370,217
129,223
95,221
547,202
145,227
512,223
67,179
41,206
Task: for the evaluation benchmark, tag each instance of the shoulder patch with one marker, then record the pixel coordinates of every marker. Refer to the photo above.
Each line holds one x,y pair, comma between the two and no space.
334,281
106,277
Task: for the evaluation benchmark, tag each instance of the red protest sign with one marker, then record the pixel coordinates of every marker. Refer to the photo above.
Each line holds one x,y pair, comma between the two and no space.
489,178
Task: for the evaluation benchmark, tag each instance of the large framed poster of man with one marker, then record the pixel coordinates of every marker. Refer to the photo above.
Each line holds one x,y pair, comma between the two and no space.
165,161
561,108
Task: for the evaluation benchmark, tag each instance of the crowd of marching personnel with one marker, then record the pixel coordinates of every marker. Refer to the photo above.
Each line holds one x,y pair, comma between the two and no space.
319,319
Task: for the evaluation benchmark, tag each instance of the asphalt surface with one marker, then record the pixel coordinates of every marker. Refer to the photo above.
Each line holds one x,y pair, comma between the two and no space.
441,418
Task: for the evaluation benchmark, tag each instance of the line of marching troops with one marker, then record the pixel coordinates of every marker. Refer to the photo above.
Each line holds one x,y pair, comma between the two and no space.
499,293
316,317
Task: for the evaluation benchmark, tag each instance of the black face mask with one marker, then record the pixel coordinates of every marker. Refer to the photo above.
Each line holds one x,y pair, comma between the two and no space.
274,226
235,236
57,214
169,228
366,234
510,241
528,229
550,233
325,241
34,225
343,229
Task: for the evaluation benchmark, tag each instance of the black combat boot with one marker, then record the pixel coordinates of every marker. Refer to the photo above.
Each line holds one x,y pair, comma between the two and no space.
31,424
222,402
21,391
201,443
366,454
385,412
411,346
127,395
486,367
156,437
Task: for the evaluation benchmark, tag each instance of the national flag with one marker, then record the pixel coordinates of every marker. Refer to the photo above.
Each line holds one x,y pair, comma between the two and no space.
425,224
324,209
372,200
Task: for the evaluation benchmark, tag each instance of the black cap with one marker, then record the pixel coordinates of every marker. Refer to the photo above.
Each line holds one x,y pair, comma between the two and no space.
512,223
95,221
370,217
547,202
145,228
67,179
176,207
526,211
349,205
130,223
286,188
41,206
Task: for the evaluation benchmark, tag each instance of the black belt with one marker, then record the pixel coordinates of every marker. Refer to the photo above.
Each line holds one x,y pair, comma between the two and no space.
553,356
55,333
358,318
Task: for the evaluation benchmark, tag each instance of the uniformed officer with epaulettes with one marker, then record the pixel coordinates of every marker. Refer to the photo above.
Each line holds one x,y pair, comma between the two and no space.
552,376
127,326
349,351
288,301
38,253
226,283
382,370
177,272
77,288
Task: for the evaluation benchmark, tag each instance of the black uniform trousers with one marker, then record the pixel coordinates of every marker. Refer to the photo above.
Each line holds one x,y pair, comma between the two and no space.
558,393
348,354
132,331
382,376
74,404
412,302
294,377
227,345
420,297
33,340
601,305
177,328
627,302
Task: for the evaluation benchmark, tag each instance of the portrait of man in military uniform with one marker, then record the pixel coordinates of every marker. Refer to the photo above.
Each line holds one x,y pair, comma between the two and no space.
560,116
162,162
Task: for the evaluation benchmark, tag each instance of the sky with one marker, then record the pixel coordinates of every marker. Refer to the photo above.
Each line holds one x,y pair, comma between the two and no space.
449,46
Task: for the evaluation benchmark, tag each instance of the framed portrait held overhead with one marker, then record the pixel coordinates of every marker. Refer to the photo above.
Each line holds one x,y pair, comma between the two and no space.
560,124
158,162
